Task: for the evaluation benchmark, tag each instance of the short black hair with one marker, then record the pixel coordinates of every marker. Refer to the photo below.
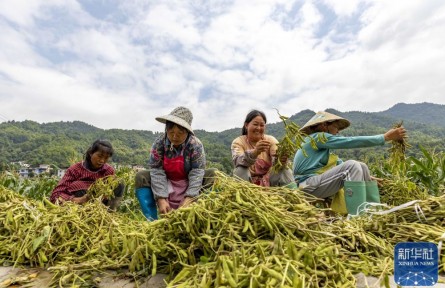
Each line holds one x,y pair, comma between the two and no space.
99,145
252,114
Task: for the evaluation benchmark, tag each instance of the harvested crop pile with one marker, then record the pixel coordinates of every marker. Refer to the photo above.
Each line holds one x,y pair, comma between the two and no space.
240,235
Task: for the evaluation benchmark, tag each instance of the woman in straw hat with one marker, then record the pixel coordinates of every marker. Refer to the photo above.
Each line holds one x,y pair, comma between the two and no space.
322,173
253,154
177,167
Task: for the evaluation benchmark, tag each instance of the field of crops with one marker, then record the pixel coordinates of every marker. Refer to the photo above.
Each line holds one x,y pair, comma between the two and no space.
237,235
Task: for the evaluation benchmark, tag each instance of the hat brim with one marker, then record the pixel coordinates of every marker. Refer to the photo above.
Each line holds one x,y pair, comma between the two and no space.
326,117
176,120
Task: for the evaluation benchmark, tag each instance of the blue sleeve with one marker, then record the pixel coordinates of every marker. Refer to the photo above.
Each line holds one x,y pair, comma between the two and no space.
340,142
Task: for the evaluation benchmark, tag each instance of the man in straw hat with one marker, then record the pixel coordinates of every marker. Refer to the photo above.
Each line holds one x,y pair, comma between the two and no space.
177,167
320,172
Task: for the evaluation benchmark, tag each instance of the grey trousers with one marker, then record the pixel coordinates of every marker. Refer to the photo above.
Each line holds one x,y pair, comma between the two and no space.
328,183
282,178
143,179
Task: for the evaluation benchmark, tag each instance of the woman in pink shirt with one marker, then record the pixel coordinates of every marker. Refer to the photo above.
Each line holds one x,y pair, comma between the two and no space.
254,153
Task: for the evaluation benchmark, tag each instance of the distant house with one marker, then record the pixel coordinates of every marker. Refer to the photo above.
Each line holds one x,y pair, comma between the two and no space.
60,172
27,171
21,164
43,168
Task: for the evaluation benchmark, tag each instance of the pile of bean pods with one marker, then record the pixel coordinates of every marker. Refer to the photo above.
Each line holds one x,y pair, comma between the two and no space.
238,235
399,190
104,187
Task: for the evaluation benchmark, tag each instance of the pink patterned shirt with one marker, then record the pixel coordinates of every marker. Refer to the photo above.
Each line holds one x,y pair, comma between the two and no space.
76,178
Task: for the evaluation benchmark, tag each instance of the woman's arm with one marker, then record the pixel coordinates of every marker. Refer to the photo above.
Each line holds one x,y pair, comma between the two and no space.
197,167
60,192
240,155
157,172
340,142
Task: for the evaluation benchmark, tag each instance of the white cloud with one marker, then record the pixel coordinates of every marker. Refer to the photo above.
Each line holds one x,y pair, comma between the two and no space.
344,7
220,58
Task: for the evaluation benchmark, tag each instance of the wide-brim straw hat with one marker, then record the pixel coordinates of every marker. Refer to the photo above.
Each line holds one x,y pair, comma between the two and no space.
321,117
181,116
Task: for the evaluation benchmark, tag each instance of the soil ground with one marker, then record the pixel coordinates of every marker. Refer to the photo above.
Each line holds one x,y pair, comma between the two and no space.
39,278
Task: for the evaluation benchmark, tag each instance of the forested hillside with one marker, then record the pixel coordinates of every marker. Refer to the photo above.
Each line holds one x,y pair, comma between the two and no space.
426,113
61,142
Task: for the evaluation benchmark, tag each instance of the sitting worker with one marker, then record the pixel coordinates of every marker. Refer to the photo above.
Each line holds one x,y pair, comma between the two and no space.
253,154
177,164
320,172
80,176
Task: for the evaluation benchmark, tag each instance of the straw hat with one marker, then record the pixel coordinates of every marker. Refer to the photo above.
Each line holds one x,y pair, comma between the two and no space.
321,117
181,116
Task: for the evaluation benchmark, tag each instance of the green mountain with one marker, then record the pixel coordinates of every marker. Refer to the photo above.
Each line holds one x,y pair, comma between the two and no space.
426,113
61,143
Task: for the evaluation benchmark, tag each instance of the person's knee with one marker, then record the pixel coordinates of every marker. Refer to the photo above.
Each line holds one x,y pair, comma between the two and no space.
366,171
363,166
210,172
142,179
209,178
358,171
282,178
353,165
119,190
242,173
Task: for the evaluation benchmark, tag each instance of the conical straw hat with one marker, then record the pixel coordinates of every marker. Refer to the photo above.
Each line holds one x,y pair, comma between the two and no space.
181,116
321,117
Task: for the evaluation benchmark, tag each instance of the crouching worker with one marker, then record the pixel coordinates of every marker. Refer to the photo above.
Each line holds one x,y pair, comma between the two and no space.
176,167
80,176
322,174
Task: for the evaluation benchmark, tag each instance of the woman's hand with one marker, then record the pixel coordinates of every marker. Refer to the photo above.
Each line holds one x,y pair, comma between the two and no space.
186,202
378,180
395,134
163,206
283,159
261,146
81,200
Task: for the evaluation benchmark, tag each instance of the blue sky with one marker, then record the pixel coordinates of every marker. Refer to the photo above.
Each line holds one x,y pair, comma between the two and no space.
119,64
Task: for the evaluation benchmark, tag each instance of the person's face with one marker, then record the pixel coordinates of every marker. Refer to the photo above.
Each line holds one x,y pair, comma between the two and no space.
255,129
177,135
332,127
99,158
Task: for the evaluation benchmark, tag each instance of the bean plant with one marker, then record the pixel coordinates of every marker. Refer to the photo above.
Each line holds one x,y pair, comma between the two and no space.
428,171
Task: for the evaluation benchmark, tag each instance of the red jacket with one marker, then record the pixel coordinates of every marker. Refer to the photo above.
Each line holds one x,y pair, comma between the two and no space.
76,178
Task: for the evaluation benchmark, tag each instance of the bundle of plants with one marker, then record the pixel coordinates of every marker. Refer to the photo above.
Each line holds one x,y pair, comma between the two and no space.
398,186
